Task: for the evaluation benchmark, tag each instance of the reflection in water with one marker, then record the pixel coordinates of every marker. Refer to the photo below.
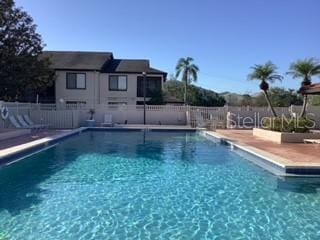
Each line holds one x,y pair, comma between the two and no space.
19,182
299,185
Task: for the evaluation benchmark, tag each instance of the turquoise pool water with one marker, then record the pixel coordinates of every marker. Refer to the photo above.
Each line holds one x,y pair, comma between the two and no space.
154,185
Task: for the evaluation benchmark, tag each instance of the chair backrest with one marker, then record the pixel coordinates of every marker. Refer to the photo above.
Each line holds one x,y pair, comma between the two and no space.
28,120
22,121
108,118
14,122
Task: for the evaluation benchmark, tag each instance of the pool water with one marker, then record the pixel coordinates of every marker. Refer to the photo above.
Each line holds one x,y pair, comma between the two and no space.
152,185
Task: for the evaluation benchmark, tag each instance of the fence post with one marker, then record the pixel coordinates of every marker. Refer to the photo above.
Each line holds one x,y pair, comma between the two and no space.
72,118
229,125
17,108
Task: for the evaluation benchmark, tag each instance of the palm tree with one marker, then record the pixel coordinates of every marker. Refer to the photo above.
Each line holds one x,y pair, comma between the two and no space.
188,71
304,69
265,73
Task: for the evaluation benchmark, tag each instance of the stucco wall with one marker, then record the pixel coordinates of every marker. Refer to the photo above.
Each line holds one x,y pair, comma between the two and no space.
88,95
129,96
97,89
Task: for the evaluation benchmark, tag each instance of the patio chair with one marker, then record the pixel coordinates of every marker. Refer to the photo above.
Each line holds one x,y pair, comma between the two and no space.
31,123
316,141
15,123
107,121
200,120
26,125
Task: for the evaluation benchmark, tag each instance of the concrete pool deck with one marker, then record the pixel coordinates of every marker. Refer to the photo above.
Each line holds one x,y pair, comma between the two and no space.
28,137
18,147
297,158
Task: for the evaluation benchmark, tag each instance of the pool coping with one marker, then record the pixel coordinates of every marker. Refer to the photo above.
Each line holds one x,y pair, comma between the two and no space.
20,151
277,165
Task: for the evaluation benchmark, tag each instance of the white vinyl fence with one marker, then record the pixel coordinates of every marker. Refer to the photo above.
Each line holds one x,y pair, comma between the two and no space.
252,116
75,115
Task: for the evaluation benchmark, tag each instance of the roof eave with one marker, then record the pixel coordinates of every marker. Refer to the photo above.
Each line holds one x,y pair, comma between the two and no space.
312,89
77,69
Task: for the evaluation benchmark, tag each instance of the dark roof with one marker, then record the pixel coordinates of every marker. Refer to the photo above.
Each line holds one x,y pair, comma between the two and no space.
154,70
311,89
130,66
77,60
126,65
99,61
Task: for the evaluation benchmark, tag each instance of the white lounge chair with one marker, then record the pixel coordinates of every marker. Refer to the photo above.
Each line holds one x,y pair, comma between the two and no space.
31,123
200,120
107,121
15,123
317,141
26,125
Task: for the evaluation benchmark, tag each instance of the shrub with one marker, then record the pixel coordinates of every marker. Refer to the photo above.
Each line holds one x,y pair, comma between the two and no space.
282,124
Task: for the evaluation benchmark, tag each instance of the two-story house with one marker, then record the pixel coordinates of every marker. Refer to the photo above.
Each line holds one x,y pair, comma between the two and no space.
97,77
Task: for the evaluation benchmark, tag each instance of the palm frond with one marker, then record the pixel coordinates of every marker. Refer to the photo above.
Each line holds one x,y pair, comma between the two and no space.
189,59
178,71
275,77
265,72
195,67
187,70
305,68
194,74
316,70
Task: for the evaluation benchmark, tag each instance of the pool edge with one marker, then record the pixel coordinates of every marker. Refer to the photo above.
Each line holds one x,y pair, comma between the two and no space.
263,159
9,155
273,162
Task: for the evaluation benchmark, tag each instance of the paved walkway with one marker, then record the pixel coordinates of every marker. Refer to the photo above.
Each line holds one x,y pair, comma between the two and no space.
291,153
28,138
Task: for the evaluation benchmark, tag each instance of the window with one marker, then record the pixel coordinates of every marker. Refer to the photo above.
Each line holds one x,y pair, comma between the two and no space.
76,102
153,84
117,103
118,83
76,81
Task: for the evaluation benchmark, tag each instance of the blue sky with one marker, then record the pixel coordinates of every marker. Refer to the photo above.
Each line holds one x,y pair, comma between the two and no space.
224,37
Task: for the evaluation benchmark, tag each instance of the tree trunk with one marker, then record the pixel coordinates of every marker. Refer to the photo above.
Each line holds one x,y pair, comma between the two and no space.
269,104
185,93
304,106
185,87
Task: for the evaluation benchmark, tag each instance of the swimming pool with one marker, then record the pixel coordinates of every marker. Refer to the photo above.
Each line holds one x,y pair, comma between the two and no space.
152,185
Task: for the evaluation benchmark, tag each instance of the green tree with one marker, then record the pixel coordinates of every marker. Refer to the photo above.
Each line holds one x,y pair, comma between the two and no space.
281,97
246,100
315,100
265,73
21,70
260,100
188,71
305,70
197,96
157,98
